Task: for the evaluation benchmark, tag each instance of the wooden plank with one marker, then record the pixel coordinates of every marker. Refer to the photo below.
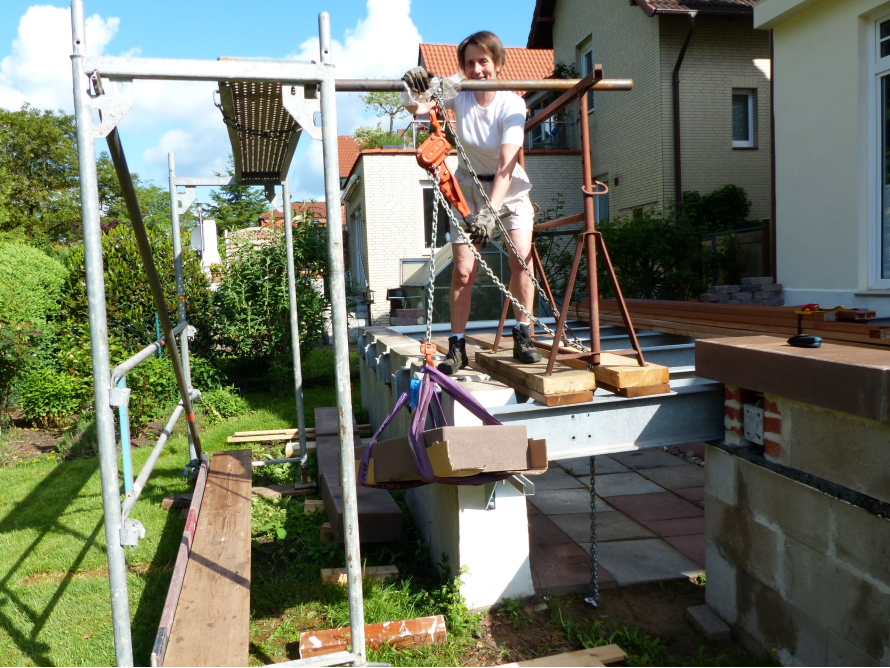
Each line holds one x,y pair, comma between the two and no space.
399,635
177,501
595,656
441,343
211,625
312,505
630,392
337,576
564,379
546,399
279,491
291,430
616,370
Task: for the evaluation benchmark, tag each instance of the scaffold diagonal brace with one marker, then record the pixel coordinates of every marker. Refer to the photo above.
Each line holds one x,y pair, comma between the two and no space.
113,104
302,108
186,199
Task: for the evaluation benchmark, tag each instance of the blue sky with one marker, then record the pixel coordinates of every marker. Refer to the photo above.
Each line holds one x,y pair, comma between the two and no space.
373,38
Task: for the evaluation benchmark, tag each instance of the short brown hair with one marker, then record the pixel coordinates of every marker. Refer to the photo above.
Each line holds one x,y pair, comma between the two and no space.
488,42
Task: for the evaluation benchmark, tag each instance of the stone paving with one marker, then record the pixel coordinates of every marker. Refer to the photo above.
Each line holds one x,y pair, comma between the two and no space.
650,520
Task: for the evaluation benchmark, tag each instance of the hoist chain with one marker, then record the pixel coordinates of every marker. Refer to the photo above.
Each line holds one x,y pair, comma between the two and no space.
431,286
574,342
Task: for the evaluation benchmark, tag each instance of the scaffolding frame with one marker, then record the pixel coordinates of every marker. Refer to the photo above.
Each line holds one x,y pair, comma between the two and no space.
306,89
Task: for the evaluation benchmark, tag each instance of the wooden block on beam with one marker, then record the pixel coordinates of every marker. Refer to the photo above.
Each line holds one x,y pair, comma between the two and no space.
629,392
595,656
564,379
312,505
406,633
178,501
546,399
337,576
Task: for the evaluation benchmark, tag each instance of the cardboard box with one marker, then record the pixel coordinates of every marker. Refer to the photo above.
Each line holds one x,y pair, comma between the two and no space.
456,452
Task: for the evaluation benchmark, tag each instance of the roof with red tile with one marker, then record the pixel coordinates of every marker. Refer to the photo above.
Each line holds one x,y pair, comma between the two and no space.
317,211
347,149
521,63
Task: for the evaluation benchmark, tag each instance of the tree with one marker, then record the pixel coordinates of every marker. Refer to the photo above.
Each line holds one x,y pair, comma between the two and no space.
385,104
236,207
38,157
367,137
154,201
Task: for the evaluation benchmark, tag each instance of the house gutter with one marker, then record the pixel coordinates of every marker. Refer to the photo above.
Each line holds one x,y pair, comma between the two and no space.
348,188
675,81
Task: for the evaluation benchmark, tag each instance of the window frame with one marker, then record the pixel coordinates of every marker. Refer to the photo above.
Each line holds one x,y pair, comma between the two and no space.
877,69
443,222
749,143
585,70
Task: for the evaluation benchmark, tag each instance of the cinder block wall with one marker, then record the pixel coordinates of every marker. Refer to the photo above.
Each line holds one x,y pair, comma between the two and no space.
723,54
800,571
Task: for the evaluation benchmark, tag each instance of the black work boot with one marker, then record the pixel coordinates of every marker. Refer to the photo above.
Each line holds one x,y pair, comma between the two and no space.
456,359
523,348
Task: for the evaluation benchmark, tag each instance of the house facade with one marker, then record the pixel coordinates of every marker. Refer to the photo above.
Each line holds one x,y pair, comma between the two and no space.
832,64
724,95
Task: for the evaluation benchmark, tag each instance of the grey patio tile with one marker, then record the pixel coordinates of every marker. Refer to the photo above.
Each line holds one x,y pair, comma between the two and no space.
555,478
609,526
676,477
581,465
565,501
648,560
647,459
622,484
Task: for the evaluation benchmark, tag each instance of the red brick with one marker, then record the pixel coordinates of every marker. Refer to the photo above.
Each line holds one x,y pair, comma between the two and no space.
735,430
732,413
732,393
772,425
772,448
771,407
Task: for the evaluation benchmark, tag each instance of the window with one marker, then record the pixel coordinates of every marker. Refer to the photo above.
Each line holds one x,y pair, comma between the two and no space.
441,223
742,118
587,68
537,136
601,203
884,175
879,190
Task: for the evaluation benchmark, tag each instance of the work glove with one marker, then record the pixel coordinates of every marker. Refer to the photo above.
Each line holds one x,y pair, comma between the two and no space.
480,226
418,80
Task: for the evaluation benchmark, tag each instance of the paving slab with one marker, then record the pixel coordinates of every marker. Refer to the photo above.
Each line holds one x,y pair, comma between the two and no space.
563,569
542,531
708,623
647,459
609,526
581,465
684,526
692,546
650,507
676,477
648,560
622,484
566,501
694,494
555,478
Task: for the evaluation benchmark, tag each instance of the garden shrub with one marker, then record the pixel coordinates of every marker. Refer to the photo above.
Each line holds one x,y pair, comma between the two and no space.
49,397
725,208
223,403
82,440
252,314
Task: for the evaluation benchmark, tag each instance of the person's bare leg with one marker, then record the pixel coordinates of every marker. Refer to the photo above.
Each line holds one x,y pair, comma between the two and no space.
520,284
462,280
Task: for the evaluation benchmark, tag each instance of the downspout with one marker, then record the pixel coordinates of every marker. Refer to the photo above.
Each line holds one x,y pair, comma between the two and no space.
675,81
772,157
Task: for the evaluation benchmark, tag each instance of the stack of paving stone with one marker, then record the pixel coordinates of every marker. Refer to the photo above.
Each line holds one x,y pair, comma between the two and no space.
406,316
754,290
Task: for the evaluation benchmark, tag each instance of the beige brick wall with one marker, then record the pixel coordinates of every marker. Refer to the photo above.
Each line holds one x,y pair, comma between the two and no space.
721,56
556,181
625,132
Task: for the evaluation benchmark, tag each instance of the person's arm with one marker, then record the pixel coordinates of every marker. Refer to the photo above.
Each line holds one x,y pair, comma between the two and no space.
420,108
504,175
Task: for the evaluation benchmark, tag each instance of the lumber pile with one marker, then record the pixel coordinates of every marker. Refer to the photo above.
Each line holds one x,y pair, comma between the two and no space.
700,320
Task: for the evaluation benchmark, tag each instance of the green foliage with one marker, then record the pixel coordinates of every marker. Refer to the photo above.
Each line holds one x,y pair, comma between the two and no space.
154,201
48,397
565,71
725,208
38,158
223,403
81,440
512,610
17,343
367,137
252,314
30,285
236,207
384,104
130,305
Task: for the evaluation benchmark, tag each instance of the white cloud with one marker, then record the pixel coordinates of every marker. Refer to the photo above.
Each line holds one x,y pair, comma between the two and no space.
383,45
39,68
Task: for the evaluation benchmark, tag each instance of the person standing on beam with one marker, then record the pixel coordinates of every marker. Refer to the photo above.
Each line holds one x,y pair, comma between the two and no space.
491,127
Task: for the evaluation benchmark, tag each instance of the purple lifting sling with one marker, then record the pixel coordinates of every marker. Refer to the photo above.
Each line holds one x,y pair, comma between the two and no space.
418,445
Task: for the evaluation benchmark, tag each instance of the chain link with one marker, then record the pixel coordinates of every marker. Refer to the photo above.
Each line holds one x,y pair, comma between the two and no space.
432,281
574,342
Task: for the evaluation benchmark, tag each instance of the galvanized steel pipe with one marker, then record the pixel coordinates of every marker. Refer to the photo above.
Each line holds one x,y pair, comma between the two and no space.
95,283
337,283
397,85
131,363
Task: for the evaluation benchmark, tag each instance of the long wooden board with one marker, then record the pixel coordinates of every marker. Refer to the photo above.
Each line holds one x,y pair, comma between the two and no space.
211,625
595,656
614,370
337,576
405,633
533,376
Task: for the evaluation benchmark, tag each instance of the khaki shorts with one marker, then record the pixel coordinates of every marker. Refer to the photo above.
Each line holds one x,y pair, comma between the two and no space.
517,212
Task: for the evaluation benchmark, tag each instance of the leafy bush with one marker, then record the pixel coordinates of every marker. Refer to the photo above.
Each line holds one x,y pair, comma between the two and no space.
223,403
82,440
130,306
367,137
30,285
49,397
253,318
725,208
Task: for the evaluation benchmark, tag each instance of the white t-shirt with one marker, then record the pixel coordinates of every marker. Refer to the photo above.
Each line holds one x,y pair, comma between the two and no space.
483,130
